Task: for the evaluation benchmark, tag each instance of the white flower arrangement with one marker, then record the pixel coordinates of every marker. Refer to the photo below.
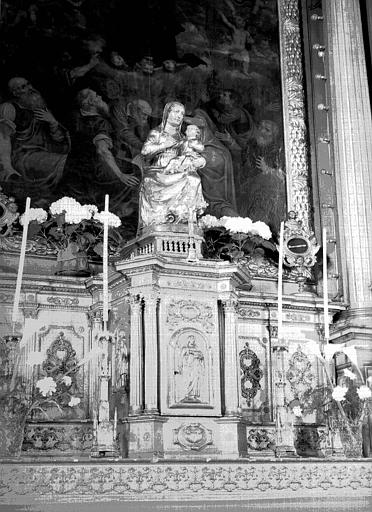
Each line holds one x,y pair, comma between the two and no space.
352,395
339,393
74,401
34,214
113,220
364,392
297,411
237,225
72,227
47,386
349,374
66,379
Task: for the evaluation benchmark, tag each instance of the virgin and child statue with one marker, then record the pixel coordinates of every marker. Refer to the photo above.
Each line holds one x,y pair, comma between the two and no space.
171,185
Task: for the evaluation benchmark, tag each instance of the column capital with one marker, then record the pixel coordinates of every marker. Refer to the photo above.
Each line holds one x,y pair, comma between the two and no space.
151,298
230,304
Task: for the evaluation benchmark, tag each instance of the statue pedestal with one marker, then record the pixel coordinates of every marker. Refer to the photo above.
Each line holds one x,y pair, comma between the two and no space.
169,240
179,346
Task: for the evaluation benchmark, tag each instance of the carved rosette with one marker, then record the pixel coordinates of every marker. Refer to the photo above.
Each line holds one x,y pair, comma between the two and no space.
295,133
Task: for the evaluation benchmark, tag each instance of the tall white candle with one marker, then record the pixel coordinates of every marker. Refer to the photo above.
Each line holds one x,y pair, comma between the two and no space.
105,264
280,282
21,262
325,287
191,223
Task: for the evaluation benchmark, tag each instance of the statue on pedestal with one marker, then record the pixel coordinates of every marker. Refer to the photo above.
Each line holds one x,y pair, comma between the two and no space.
170,160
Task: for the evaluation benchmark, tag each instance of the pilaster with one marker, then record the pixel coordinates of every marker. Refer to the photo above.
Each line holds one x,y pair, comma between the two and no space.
231,359
135,372
151,353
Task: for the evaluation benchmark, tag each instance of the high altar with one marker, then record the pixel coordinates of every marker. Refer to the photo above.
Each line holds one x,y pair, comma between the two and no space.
194,371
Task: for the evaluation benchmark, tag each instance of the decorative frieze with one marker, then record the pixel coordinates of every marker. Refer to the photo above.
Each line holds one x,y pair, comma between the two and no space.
29,483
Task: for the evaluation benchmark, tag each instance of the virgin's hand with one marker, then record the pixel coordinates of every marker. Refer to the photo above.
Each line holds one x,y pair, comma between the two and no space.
129,180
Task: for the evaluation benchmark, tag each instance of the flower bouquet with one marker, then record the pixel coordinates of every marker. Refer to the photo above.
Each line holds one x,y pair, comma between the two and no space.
75,232
345,405
20,396
234,238
31,386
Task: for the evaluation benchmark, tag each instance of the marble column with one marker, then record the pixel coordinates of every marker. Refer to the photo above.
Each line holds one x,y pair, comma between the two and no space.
231,360
135,367
151,354
352,146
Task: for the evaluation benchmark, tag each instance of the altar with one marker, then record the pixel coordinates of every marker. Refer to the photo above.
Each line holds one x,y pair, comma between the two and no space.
207,335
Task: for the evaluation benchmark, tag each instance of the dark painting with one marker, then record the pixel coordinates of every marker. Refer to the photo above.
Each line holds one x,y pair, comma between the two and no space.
84,81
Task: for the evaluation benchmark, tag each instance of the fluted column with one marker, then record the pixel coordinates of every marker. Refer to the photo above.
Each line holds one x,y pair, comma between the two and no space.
151,354
231,360
135,372
352,143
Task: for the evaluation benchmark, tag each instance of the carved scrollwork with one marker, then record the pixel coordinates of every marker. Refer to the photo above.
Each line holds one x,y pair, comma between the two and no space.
251,373
193,436
191,311
260,439
63,301
61,438
8,214
299,374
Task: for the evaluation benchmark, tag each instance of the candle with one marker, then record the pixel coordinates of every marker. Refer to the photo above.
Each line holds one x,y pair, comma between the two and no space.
105,264
325,287
21,262
191,223
280,282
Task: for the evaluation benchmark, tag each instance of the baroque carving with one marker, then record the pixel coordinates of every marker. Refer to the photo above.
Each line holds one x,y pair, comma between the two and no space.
194,285
38,246
60,438
30,310
191,311
249,313
63,301
260,439
251,373
299,374
193,436
27,482
294,111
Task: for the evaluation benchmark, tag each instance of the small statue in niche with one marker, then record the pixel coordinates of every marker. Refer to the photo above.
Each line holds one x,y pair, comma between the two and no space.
192,369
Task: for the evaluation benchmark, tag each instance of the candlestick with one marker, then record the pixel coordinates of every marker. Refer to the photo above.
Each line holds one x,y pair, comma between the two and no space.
21,262
325,287
105,264
280,282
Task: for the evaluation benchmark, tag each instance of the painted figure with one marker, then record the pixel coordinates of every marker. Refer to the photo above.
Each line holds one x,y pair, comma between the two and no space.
217,176
33,144
167,193
94,158
240,38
